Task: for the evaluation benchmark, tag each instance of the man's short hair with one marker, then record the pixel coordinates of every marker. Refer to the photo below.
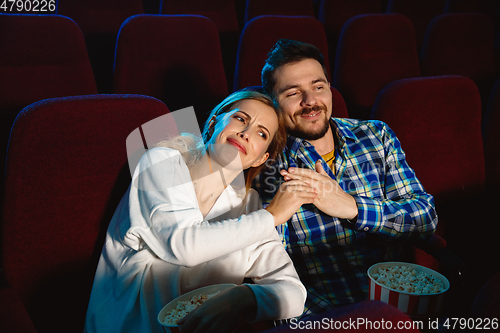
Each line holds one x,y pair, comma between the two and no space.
287,51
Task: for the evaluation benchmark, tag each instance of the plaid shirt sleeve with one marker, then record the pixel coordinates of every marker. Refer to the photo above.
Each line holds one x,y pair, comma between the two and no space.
405,210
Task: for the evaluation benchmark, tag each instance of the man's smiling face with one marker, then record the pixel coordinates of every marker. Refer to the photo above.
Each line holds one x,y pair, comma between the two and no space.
304,96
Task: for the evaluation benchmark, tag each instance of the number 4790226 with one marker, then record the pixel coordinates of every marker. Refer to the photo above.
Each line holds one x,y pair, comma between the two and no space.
28,6
471,323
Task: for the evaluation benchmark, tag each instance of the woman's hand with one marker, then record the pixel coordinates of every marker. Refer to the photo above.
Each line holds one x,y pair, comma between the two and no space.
290,196
221,313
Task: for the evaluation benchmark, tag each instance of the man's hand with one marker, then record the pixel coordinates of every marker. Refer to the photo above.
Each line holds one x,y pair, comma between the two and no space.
331,199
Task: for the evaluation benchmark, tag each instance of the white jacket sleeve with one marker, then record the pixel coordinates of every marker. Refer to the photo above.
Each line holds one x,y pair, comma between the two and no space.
165,215
277,288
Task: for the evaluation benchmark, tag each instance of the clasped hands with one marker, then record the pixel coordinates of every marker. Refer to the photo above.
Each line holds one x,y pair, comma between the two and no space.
315,187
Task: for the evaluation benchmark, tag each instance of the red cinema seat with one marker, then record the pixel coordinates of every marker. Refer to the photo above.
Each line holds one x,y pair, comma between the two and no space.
67,170
373,50
97,17
438,122
175,58
420,12
41,56
430,116
223,14
260,35
334,13
100,22
339,107
461,44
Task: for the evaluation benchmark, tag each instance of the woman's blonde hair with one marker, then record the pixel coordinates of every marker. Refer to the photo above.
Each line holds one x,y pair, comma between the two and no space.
192,147
189,145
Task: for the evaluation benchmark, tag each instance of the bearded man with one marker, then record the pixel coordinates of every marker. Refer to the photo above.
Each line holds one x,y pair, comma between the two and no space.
370,203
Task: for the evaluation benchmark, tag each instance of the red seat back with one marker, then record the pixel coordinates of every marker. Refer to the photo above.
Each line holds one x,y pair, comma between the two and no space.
461,44
438,121
43,56
175,58
221,12
260,35
100,22
420,12
335,13
373,50
97,16
66,173
339,107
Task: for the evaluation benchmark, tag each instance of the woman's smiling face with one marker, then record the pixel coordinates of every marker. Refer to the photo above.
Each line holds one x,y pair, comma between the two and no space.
245,131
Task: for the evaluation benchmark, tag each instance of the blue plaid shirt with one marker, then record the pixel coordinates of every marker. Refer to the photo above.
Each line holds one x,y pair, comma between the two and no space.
332,255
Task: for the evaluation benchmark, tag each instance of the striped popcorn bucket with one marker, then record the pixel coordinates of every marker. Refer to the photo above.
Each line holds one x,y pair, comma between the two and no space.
414,305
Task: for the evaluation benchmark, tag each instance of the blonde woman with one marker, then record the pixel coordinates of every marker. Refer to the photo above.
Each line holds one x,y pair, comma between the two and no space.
185,223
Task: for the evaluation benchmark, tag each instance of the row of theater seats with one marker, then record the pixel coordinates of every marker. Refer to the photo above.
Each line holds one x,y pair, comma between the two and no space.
100,23
159,55
67,170
231,15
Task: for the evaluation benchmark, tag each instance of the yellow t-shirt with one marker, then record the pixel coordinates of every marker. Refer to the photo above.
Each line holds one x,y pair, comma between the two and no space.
330,160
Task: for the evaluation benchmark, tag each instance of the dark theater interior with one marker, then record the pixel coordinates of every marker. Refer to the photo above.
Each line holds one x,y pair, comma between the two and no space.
78,76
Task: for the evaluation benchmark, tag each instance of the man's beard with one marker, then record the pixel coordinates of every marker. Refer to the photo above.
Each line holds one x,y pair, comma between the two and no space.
308,135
